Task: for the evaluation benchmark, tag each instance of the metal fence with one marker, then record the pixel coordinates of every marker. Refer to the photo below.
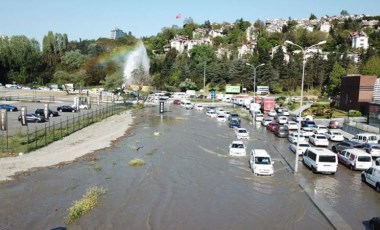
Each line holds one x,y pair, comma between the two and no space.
53,131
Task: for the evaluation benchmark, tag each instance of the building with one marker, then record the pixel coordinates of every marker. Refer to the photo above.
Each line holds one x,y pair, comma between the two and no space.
325,27
116,33
356,92
359,40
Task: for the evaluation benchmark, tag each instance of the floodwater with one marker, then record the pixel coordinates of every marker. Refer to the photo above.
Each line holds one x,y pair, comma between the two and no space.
188,182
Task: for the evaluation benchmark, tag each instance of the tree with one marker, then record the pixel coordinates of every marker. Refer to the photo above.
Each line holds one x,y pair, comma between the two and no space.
371,67
312,17
140,78
72,60
344,13
334,81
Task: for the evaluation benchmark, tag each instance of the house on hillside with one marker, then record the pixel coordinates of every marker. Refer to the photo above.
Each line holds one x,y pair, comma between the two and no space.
216,33
245,49
325,27
223,52
284,50
359,40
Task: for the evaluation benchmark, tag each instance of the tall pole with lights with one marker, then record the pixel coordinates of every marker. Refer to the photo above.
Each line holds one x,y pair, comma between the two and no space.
301,101
254,79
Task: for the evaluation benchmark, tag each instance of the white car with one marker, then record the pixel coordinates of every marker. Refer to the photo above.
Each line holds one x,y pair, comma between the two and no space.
259,117
199,107
319,140
282,120
241,133
221,118
266,121
237,148
297,118
293,137
307,132
211,113
227,113
291,125
285,112
320,129
272,113
301,148
334,135
261,163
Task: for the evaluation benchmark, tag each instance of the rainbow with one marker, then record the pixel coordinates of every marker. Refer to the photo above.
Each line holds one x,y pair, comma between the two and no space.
118,55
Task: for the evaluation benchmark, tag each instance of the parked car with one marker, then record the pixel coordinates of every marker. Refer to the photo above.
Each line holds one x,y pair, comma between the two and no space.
237,148
320,129
266,121
337,148
51,113
272,126
31,117
373,149
260,162
291,125
8,107
319,140
281,131
293,137
334,135
372,177
234,124
333,124
241,133
303,145
355,159
365,138
66,108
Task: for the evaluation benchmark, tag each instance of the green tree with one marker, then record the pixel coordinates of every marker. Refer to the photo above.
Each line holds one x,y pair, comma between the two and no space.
371,67
72,60
334,81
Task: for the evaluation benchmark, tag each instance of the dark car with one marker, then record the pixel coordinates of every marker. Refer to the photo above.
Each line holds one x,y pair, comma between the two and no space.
66,108
374,223
8,107
31,117
234,116
281,131
272,126
308,124
333,124
337,148
234,123
177,102
51,113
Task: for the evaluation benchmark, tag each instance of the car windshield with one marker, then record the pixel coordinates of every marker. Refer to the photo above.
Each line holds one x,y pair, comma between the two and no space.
375,147
327,158
364,158
237,146
321,137
336,133
304,145
262,160
242,131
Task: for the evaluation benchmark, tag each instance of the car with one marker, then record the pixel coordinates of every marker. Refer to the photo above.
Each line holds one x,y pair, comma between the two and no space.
308,124
211,108
272,113
221,118
8,107
199,107
281,131
297,118
337,148
81,106
237,148
285,112
374,223
355,159
227,114
211,113
291,125
319,140
320,160
373,149
234,124
334,135
188,105
320,129
177,102
241,133
302,147
234,116
281,119
51,113
333,124
272,126
66,108
259,117
365,138
372,177
266,121
293,137
307,132
260,162
377,161
32,117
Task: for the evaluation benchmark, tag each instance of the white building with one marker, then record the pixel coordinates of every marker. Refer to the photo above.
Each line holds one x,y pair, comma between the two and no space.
359,40
116,33
325,27
216,33
221,52
284,50
246,49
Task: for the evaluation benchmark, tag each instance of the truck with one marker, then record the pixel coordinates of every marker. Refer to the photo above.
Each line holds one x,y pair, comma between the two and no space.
372,177
267,104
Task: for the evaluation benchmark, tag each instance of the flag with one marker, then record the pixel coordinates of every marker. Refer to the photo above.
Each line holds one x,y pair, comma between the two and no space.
178,16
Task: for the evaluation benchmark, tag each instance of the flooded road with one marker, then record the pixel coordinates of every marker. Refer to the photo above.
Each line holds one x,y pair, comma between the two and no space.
188,182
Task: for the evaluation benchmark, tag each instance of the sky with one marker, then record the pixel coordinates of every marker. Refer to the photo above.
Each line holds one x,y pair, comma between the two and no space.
92,19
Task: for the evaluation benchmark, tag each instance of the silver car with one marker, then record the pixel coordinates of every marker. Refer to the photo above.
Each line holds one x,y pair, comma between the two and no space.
373,149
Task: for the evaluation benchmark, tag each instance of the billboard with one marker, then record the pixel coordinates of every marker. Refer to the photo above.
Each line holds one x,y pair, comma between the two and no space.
232,88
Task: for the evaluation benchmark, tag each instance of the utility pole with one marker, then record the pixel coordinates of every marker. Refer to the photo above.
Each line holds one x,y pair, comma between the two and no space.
204,79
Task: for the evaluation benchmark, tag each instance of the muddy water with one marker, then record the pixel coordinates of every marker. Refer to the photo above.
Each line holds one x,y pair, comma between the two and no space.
188,182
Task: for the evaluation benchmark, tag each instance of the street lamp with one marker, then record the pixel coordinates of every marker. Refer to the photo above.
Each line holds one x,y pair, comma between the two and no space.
254,79
301,102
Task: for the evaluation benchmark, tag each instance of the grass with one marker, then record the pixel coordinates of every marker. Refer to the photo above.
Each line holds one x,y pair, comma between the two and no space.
84,205
136,162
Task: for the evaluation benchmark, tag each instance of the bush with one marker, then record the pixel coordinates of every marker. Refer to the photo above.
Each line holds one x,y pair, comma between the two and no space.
355,113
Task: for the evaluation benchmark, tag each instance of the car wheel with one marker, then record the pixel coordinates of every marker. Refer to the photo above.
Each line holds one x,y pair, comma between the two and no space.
313,169
352,167
363,178
378,187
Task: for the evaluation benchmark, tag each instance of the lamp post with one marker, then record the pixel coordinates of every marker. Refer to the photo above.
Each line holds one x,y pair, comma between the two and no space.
254,79
301,101
204,79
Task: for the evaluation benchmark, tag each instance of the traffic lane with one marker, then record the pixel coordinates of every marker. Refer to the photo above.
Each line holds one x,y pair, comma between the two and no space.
15,127
354,200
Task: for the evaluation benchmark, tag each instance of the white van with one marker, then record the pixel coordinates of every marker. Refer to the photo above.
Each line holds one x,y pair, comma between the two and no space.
320,160
365,138
355,159
260,162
